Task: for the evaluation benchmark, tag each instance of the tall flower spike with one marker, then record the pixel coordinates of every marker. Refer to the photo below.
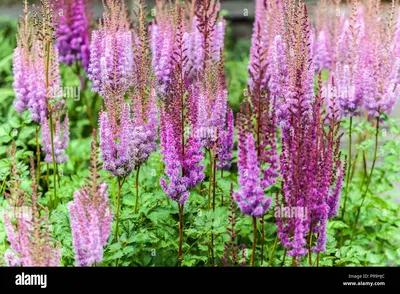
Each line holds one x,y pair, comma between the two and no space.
110,66
181,148
226,142
115,142
250,198
73,31
91,217
61,138
143,95
35,82
29,231
211,105
22,63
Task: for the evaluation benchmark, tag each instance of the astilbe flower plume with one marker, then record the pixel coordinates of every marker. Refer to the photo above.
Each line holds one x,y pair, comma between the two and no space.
28,230
110,66
61,138
128,132
181,149
206,34
162,33
34,85
211,105
73,31
116,141
311,165
381,84
91,216
226,143
348,71
250,198
143,94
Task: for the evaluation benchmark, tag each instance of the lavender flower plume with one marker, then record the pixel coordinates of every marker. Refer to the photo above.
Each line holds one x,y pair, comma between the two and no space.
21,68
27,227
61,138
322,50
115,142
181,147
226,142
183,170
91,217
211,106
250,198
110,66
310,161
32,87
73,32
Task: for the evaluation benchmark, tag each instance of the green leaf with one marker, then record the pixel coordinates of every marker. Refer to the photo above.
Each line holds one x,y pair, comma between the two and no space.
337,225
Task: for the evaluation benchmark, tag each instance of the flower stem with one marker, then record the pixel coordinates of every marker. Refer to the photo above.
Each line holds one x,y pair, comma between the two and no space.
137,189
213,171
273,251
53,159
48,185
348,170
120,183
38,155
180,256
254,241
368,179
210,180
284,257
262,239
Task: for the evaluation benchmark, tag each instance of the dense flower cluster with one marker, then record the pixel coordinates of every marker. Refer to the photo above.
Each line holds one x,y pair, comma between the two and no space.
110,67
90,217
27,228
61,138
73,32
181,149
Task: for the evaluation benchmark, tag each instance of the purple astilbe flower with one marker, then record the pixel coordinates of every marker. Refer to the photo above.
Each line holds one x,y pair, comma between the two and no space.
196,45
61,138
91,217
162,34
250,198
73,32
115,142
226,142
28,231
11,259
110,66
381,84
348,91
322,50
311,165
36,64
21,70
211,106
143,95
181,148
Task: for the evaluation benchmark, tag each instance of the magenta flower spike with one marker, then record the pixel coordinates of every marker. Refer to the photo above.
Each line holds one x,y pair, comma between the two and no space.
73,32
250,198
226,143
